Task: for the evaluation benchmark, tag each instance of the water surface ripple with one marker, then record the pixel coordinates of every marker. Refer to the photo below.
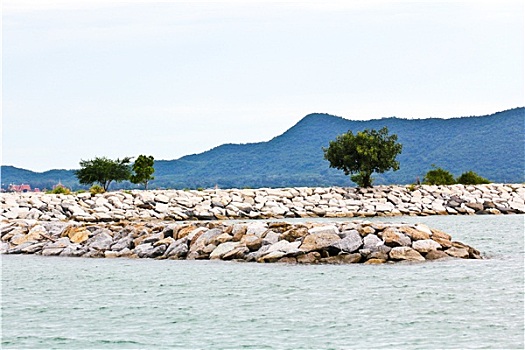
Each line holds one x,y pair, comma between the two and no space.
66,303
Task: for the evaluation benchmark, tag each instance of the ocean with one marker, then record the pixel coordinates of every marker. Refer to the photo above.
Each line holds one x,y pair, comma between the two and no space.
81,303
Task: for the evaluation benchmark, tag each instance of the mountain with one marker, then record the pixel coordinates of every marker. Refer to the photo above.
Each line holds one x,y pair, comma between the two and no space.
491,145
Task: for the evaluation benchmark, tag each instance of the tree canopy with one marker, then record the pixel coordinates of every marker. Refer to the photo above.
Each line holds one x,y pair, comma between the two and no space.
438,176
103,171
471,178
143,170
364,153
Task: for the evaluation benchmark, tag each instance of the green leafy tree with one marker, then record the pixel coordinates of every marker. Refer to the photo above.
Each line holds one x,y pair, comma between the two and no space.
103,171
471,178
438,176
143,170
364,153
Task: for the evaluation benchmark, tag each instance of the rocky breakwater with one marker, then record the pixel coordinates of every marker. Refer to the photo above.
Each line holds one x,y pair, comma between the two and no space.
256,241
264,203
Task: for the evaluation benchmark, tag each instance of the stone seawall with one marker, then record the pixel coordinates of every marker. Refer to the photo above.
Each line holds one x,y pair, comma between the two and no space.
264,203
255,241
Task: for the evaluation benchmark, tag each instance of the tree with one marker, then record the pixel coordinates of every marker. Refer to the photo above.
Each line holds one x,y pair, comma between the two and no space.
143,170
438,176
364,153
471,178
103,171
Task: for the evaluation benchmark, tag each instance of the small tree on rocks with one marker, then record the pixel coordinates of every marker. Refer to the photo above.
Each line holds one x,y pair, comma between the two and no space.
364,153
438,176
143,170
103,171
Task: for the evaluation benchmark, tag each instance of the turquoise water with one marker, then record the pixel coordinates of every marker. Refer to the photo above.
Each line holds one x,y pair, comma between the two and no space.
75,303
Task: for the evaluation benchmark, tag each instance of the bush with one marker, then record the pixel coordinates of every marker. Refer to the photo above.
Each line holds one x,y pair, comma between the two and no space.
439,176
60,189
471,178
96,189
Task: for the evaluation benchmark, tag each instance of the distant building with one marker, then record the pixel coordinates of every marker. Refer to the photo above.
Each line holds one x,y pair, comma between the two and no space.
19,188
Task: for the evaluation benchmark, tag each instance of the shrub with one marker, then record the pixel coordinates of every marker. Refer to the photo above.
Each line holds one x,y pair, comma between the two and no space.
438,176
412,187
60,189
471,178
96,189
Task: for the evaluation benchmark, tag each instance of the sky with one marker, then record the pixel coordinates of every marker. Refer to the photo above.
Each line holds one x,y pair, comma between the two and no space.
84,79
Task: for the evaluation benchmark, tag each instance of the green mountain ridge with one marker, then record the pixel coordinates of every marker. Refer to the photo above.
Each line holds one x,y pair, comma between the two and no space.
491,145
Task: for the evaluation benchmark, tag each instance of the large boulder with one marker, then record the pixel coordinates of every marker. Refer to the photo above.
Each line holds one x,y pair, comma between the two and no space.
458,252
294,233
178,249
55,248
147,250
372,242
394,238
350,243
426,245
319,240
342,259
252,241
405,253
223,249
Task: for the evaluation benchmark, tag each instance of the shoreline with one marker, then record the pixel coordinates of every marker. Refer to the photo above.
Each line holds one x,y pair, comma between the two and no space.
265,203
253,241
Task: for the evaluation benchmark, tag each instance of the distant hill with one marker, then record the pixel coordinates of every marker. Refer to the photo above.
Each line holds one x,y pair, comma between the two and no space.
492,146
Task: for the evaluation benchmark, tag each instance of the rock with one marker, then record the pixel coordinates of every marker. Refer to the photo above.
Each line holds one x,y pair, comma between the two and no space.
123,243
78,234
382,255
178,249
185,231
252,242
342,259
270,237
294,233
330,229
440,234
372,242
405,253
223,238
271,257
413,233
223,248
256,228
375,261
317,241
309,258
458,252
366,230
394,238
237,253
423,228
443,242
32,248
285,247
73,250
288,260
147,250
101,241
160,198
475,206
436,254
426,245
55,248
351,243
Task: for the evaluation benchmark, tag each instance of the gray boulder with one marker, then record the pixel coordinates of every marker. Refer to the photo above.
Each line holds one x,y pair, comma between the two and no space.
350,243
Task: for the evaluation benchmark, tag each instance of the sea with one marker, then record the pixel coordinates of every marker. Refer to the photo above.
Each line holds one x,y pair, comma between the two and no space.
82,303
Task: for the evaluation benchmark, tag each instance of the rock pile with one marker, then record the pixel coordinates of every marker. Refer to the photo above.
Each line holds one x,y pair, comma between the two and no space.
265,203
336,243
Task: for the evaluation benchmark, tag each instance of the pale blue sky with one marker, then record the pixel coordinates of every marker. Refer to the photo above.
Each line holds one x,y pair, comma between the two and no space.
169,78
